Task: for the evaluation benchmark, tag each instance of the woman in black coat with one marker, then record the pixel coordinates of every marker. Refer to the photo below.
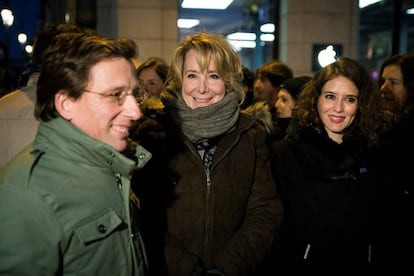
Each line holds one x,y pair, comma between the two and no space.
324,175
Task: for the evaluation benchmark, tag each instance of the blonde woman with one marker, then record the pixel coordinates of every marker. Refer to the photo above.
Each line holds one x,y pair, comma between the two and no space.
224,213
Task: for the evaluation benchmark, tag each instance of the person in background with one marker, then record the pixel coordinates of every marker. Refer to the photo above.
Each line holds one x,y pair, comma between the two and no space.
286,101
397,89
269,77
396,86
7,80
223,212
18,125
260,111
326,178
151,183
248,83
152,74
65,205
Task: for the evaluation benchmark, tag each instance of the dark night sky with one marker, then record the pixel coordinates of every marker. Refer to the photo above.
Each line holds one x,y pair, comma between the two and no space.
27,18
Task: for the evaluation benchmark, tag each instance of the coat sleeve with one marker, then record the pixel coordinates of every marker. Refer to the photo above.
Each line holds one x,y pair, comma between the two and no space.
263,219
28,238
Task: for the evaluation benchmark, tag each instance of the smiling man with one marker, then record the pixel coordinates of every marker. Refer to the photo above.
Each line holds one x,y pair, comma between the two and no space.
64,202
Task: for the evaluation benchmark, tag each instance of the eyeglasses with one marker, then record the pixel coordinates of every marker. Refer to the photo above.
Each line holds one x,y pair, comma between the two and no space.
141,96
120,96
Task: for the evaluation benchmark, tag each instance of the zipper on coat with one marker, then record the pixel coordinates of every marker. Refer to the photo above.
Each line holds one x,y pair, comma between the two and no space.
307,249
208,181
369,253
207,223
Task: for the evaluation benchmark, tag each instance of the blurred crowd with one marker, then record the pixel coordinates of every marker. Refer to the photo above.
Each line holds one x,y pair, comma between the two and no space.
112,165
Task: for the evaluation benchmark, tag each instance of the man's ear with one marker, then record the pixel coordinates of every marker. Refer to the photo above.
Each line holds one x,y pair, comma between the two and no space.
63,104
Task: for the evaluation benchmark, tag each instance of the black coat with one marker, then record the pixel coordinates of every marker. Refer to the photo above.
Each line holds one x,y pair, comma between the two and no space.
394,160
330,196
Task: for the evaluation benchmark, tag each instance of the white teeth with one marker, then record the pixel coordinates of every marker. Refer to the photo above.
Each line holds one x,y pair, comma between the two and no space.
201,100
121,129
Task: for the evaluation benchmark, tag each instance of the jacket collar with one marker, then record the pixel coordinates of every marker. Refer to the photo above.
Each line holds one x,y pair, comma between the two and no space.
61,138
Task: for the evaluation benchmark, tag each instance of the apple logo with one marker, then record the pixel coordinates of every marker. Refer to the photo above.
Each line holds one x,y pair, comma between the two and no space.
327,56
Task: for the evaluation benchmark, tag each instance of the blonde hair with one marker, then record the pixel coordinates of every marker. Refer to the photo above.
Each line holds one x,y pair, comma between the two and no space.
206,46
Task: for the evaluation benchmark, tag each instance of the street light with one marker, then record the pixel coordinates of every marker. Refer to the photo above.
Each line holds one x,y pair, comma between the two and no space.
8,19
28,49
22,38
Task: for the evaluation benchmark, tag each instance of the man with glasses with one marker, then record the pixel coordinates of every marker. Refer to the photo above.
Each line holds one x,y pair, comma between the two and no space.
65,203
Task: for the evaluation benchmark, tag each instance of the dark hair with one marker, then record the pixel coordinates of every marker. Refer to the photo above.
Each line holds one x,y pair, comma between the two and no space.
275,71
248,81
406,64
48,33
248,77
42,40
368,118
156,63
66,65
295,85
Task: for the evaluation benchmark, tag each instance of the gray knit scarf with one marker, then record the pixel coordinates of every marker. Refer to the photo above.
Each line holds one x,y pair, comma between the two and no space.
203,122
